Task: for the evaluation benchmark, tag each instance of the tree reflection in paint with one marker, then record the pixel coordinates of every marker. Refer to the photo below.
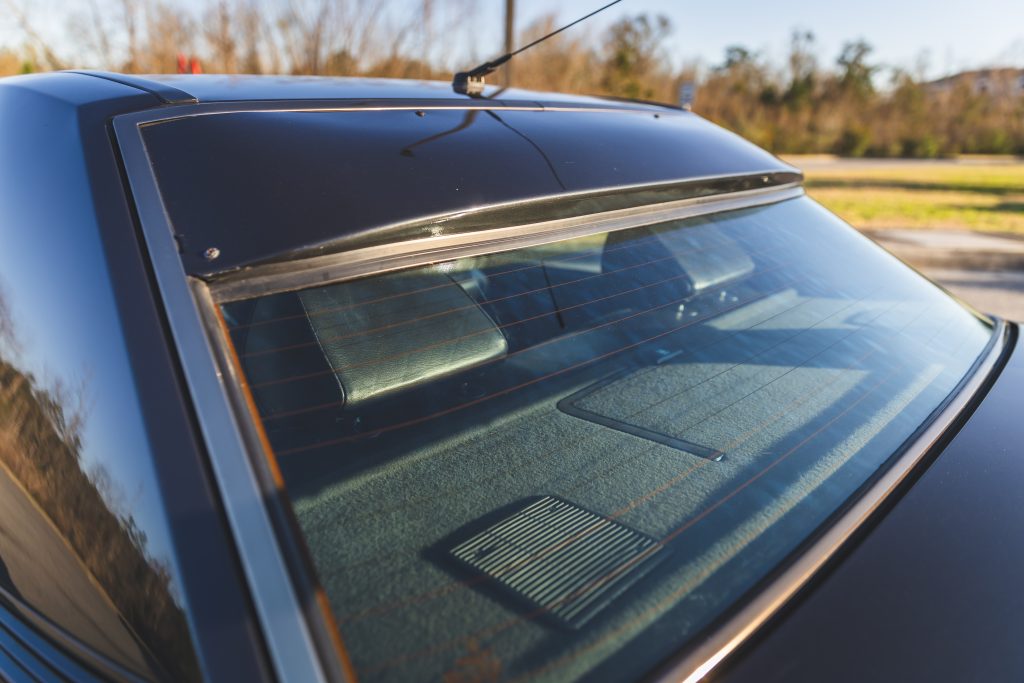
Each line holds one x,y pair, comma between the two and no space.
64,525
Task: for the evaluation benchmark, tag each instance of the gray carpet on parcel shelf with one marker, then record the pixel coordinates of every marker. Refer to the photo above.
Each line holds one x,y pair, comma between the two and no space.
404,615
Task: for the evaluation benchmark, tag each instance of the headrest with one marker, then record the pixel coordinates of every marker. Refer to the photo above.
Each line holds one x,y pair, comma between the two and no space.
392,332
706,256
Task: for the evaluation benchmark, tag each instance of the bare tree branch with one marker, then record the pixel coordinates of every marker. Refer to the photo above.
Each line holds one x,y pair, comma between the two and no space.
51,58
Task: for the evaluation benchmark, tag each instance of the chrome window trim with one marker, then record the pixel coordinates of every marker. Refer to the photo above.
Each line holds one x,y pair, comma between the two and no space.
320,270
188,110
289,641
708,653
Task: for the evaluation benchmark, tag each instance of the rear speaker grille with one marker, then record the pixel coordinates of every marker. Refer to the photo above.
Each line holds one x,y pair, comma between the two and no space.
567,561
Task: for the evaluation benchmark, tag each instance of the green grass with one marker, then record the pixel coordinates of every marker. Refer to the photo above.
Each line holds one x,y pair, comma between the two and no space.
978,196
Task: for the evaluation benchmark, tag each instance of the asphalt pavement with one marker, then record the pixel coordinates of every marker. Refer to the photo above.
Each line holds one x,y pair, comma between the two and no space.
986,271
997,292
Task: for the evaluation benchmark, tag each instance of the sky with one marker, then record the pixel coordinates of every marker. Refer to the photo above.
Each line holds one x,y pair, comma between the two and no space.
955,34
951,34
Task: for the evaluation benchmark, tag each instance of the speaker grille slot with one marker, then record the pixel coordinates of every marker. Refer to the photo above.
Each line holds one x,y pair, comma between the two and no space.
565,560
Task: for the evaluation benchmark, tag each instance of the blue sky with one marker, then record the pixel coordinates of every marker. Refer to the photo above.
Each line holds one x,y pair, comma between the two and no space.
955,34
952,34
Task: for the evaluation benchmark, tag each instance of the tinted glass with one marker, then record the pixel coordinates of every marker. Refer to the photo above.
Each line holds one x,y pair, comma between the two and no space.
565,461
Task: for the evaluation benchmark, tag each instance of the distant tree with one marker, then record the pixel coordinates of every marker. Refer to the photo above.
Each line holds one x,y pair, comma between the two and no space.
795,105
803,67
741,94
10,63
632,49
564,63
855,73
8,336
737,56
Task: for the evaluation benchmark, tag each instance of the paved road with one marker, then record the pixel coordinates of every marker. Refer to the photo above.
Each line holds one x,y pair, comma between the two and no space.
997,292
986,271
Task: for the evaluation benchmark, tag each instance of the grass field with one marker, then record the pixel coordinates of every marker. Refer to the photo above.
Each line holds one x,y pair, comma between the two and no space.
975,195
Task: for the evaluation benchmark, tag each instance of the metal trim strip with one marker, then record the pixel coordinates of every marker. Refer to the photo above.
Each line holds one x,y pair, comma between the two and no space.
188,110
320,270
286,632
263,281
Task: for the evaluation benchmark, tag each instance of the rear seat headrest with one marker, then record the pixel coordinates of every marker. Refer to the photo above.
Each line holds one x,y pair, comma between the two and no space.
388,333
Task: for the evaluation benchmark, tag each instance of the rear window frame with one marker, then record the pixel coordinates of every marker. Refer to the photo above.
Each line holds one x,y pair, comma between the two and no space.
202,343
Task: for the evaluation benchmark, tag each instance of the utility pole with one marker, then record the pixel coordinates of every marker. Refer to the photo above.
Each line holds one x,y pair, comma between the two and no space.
510,36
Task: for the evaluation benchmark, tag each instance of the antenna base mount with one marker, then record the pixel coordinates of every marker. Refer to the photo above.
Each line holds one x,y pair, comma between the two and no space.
468,83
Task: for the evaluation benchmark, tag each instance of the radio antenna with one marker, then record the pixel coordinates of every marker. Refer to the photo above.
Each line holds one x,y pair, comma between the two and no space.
472,82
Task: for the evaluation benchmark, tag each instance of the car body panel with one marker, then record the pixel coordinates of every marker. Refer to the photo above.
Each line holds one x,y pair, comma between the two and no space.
165,93
65,200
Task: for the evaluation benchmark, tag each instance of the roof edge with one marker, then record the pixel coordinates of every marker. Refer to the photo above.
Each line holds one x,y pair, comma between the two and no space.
167,94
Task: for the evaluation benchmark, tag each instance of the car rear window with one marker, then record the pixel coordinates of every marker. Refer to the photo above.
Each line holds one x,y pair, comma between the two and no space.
568,460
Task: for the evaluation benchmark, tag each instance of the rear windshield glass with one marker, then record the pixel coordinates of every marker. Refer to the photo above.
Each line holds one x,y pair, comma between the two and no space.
566,461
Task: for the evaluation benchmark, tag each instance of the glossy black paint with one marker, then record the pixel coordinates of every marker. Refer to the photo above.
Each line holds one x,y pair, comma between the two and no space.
256,185
933,592
165,93
67,221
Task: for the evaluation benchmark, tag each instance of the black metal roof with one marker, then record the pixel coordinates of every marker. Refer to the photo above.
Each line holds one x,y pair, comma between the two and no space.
277,167
259,185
